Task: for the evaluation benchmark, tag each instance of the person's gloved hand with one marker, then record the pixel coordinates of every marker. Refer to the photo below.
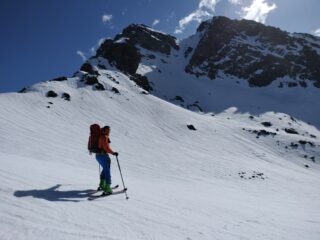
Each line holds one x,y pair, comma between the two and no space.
115,154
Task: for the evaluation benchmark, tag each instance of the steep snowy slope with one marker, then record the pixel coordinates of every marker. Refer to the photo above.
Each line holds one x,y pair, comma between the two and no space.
240,175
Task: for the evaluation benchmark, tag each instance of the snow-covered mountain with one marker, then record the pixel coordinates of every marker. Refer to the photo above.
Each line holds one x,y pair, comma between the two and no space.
242,164
226,63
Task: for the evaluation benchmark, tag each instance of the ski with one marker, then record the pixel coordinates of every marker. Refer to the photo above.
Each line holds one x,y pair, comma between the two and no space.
99,190
113,187
107,194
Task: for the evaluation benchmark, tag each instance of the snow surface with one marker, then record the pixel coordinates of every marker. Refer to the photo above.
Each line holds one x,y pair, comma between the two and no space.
182,184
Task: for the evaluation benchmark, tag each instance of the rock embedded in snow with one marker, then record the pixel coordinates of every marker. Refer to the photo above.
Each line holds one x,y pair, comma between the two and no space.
291,131
252,175
115,90
98,86
66,96
260,132
191,127
52,94
266,124
92,80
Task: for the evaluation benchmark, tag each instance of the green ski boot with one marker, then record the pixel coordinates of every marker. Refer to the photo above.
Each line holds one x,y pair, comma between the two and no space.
100,185
106,187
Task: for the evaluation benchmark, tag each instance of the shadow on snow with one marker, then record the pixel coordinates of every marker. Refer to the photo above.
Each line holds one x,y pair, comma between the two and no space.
53,194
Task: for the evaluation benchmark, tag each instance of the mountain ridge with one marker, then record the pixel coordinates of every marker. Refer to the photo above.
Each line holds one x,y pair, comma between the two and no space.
234,71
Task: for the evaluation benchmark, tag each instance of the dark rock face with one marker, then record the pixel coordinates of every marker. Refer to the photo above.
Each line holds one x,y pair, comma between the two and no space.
125,56
86,67
253,51
123,51
141,81
188,51
90,80
148,39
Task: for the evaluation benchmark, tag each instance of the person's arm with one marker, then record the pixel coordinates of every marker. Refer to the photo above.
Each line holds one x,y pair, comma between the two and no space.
107,147
104,144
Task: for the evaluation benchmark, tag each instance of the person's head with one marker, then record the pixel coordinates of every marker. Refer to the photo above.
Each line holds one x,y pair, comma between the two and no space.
105,130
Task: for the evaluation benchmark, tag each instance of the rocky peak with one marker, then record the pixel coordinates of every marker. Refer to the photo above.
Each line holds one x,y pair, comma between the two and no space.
123,50
148,38
253,51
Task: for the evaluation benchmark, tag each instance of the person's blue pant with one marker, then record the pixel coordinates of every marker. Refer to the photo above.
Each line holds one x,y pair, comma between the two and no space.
104,161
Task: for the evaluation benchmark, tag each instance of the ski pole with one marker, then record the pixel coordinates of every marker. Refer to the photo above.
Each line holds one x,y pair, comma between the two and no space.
122,179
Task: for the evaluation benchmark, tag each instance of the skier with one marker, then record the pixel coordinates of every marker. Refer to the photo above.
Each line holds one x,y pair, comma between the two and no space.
104,160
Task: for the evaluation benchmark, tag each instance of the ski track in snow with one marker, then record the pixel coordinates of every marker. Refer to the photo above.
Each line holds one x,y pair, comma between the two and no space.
182,184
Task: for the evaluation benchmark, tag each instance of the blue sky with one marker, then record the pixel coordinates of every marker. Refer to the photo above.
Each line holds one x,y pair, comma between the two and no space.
44,39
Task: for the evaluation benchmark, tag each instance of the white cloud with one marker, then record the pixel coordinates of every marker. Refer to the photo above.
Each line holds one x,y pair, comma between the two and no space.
208,4
205,9
317,32
236,2
155,22
106,18
82,55
258,10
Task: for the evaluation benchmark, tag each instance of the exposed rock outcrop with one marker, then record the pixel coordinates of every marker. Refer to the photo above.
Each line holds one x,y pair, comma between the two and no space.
253,51
123,50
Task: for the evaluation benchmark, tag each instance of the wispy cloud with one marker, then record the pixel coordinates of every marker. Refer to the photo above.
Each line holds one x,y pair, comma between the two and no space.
82,55
317,32
205,9
258,10
124,11
171,15
236,2
106,18
155,22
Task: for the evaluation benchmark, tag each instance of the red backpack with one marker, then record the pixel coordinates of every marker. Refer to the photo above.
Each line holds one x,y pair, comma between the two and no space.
93,143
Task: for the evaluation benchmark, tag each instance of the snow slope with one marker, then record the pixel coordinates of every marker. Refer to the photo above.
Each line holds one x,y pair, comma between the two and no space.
182,184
